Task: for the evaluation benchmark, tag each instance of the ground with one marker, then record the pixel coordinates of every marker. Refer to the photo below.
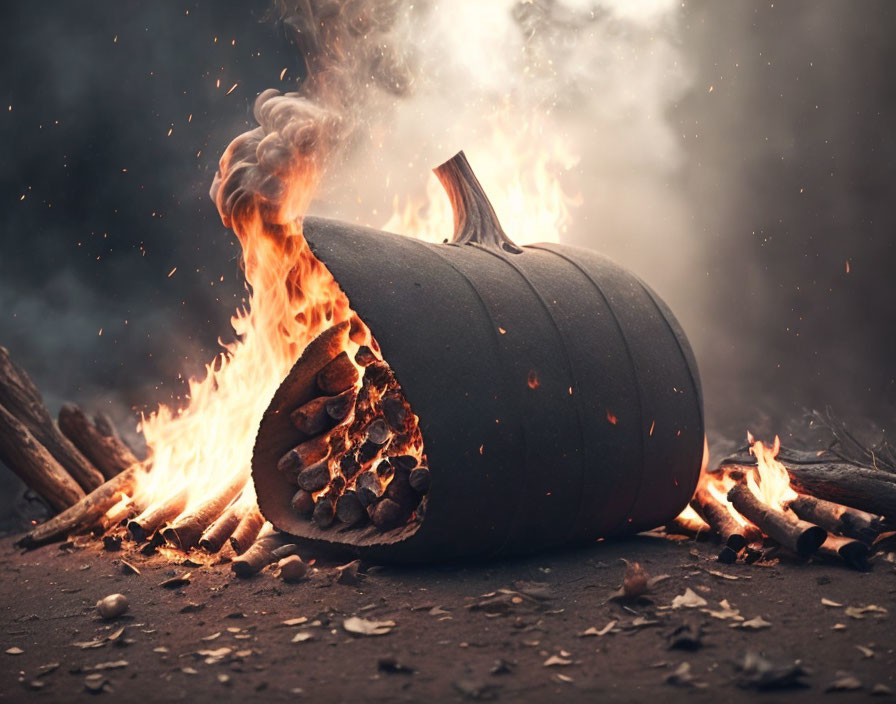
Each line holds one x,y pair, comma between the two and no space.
456,634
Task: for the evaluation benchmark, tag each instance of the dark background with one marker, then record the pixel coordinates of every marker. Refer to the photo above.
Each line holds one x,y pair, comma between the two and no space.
788,175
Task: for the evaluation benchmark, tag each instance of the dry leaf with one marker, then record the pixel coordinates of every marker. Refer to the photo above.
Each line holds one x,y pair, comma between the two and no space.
725,613
293,621
831,603
301,637
858,612
690,600
634,583
212,636
865,651
602,632
754,624
14,651
557,661
363,627
844,683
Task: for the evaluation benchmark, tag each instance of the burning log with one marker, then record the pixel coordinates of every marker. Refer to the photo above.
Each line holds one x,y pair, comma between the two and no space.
838,519
156,516
365,356
420,480
217,533
84,513
734,535
386,514
324,512
109,454
22,399
247,531
853,552
338,375
260,554
22,453
799,536
305,455
865,489
318,414
314,478
186,531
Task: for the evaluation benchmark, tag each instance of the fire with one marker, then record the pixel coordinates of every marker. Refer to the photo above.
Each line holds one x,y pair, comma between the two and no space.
770,481
522,175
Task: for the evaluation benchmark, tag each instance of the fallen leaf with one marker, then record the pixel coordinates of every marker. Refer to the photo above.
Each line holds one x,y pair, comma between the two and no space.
725,612
363,627
301,637
865,651
602,632
831,603
682,677
87,644
760,673
881,690
557,661
754,624
560,677
858,612
178,581
128,568
113,665
217,634
690,600
14,651
844,683
838,627
634,582
295,621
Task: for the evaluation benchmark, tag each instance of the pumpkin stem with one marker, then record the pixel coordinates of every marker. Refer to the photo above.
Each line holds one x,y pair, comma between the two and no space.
475,221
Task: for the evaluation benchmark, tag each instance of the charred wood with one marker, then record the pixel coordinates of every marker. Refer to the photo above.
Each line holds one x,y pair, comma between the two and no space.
305,455
260,554
365,356
837,519
303,502
24,455
156,516
324,512
868,490
338,375
378,431
20,397
798,536
314,478
186,531
216,535
853,552
420,480
733,534
312,418
84,513
339,406
247,530
386,514
349,509
109,454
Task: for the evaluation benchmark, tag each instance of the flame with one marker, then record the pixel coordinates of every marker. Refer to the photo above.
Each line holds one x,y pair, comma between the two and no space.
770,481
522,176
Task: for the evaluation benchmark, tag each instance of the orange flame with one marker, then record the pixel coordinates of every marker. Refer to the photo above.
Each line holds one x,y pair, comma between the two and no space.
770,482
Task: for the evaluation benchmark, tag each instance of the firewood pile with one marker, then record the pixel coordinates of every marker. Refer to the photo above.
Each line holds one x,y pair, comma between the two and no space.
831,504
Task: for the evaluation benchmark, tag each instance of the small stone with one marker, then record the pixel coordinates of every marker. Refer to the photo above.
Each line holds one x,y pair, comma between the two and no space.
844,683
292,569
112,606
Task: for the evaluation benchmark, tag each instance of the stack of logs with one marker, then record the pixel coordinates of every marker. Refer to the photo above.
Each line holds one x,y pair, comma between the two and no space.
60,462
840,510
363,461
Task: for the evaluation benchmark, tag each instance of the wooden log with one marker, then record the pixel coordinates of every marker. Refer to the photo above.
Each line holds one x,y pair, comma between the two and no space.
386,514
303,502
120,516
312,417
107,453
105,425
368,487
260,554
798,536
378,431
86,512
22,399
247,531
365,356
324,511
349,509
24,455
314,478
338,375
186,531
733,534
216,535
420,480
157,514
837,519
853,552
868,490
305,455
339,406
395,412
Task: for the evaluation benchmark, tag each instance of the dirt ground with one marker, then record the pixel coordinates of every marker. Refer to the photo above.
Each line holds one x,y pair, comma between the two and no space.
456,636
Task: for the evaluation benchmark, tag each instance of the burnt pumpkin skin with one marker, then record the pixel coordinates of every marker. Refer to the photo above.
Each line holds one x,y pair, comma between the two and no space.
558,398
